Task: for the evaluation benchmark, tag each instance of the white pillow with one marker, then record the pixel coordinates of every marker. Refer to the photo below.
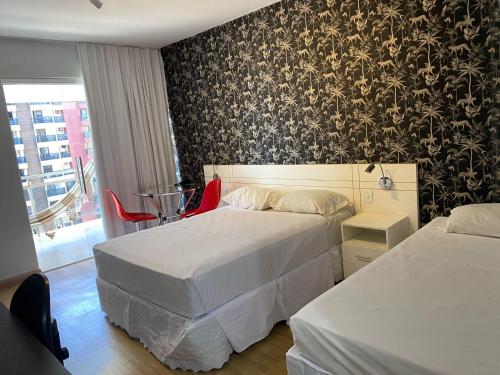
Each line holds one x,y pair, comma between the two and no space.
250,198
476,219
321,202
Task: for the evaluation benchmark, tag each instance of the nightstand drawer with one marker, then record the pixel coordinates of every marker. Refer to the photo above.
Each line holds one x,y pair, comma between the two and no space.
351,267
356,257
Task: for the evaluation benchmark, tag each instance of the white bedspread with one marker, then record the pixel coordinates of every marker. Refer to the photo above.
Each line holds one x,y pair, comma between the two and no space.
192,266
429,306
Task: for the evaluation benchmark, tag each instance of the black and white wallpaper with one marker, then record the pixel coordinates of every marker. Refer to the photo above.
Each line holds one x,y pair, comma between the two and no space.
331,81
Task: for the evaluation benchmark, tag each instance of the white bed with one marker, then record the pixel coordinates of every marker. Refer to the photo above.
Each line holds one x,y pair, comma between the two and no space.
429,306
195,290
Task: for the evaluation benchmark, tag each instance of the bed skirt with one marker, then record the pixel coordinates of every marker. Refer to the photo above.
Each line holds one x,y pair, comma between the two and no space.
296,364
206,343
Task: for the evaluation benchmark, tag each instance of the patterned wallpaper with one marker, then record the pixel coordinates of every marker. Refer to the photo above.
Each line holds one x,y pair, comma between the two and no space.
330,81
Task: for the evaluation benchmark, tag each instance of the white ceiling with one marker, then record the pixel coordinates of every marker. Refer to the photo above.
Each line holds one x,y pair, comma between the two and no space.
150,23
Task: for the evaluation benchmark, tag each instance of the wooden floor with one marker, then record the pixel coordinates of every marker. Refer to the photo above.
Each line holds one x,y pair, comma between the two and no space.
97,347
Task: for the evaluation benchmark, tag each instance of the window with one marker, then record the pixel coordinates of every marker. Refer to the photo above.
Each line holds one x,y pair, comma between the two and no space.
84,115
16,136
40,132
44,150
12,119
22,173
48,169
37,113
64,150
56,189
58,115
88,149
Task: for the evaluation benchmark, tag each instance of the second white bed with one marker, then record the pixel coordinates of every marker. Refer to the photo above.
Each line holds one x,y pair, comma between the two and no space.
429,306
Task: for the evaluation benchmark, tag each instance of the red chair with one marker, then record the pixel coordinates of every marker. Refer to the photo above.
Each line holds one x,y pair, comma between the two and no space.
209,201
134,217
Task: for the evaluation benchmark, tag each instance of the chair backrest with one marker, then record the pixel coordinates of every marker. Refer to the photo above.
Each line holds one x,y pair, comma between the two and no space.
120,211
211,196
30,304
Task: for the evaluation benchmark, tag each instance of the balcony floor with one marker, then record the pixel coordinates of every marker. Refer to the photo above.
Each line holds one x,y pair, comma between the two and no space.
69,245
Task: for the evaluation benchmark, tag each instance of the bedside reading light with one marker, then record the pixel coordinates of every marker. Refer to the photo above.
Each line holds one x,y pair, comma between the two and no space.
96,3
215,175
384,182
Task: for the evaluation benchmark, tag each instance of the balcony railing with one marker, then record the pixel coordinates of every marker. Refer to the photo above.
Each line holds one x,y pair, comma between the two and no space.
21,159
17,141
49,156
53,174
62,137
65,154
43,119
60,173
46,138
58,118
13,121
57,191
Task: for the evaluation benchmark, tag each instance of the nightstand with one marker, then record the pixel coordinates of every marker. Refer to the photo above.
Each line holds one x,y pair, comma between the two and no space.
367,236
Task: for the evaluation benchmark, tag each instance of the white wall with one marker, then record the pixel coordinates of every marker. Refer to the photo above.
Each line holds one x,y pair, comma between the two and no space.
23,59
17,250
27,58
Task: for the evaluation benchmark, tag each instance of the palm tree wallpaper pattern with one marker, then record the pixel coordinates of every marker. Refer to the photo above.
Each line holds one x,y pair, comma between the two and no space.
330,81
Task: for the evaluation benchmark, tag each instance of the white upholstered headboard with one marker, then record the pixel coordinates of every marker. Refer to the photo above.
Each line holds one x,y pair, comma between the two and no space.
350,180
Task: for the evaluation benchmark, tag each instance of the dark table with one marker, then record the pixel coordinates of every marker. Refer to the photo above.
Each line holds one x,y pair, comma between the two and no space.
22,353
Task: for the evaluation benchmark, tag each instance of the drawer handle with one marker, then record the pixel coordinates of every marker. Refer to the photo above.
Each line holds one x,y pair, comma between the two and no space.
364,259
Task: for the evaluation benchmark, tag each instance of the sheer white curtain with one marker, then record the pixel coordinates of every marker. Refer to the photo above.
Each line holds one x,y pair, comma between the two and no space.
127,100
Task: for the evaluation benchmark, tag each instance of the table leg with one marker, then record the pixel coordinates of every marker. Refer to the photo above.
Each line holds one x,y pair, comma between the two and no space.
161,217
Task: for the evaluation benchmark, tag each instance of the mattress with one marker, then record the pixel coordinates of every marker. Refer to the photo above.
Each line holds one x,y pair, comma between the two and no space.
429,306
192,266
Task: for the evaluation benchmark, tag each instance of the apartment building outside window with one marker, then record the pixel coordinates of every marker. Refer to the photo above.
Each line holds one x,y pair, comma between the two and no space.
50,128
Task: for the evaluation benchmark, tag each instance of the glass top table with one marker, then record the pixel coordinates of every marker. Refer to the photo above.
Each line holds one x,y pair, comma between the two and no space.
175,190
